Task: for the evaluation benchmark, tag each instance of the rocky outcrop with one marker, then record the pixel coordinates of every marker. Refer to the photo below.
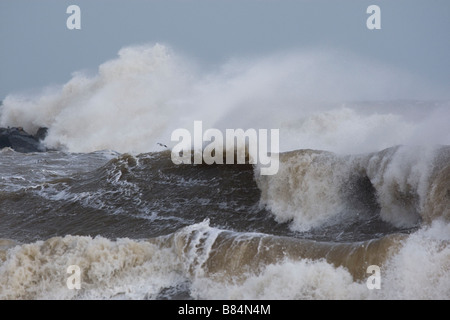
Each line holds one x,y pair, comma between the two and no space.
21,141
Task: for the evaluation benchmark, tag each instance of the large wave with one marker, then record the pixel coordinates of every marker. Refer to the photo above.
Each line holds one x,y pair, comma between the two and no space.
139,98
196,260
342,160
405,185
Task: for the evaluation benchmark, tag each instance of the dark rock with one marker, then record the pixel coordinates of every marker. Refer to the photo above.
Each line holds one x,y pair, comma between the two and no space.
21,141
41,134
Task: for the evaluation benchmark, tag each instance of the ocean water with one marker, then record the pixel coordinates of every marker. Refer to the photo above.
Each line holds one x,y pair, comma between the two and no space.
360,183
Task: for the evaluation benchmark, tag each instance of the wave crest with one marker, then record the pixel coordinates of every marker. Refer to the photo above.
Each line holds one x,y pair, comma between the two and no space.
403,185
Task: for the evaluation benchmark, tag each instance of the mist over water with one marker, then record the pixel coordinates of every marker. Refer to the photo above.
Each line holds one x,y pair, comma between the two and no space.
364,179
139,98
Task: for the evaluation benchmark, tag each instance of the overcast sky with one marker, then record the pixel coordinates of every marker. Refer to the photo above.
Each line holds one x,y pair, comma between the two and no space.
38,50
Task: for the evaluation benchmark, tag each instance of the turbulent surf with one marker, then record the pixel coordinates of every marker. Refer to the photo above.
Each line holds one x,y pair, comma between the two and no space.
360,183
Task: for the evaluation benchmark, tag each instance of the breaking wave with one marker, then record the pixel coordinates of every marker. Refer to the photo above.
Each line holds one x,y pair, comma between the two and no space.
364,179
404,185
198,260
137,100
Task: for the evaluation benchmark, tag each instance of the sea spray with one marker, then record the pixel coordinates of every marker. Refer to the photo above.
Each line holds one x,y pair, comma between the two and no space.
135,101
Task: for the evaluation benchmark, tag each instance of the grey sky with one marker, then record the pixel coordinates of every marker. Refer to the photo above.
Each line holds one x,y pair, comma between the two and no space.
38,50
